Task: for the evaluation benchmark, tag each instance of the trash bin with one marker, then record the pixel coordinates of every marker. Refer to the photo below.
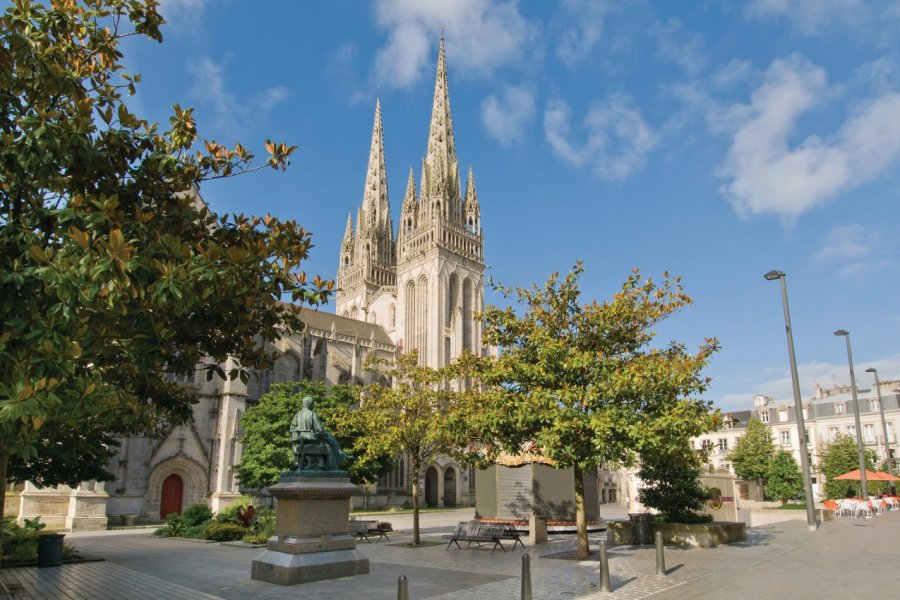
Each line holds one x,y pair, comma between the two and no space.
641,528
50,549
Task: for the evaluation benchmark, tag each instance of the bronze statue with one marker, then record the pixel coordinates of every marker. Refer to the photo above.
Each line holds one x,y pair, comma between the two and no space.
315,448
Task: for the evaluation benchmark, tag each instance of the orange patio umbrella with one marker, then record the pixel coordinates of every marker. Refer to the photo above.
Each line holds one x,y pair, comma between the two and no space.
870,476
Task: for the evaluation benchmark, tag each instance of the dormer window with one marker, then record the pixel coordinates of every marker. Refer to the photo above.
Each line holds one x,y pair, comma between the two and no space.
764,416
840,408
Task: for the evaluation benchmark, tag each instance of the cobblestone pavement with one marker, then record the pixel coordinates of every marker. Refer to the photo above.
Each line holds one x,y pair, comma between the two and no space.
844,559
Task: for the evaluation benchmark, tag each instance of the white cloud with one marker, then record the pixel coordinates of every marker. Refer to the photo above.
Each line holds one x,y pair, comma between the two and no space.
182,14
809,17
506,117
766,176
679,47
481,37
583,22
618,138
810,374
230,115
854,250
845,242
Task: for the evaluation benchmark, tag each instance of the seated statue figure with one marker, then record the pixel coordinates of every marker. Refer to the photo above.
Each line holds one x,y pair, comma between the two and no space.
315,448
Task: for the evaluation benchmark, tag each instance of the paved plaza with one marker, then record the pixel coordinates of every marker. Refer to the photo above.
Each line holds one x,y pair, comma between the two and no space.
849,558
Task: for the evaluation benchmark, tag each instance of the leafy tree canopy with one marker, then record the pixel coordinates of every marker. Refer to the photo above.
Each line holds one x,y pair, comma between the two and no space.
783,478
112,270
423,415
753,451
672,486
266,437
841,456
584,381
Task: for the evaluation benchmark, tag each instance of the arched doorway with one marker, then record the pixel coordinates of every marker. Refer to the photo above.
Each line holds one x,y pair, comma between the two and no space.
431,487
171,496
450,487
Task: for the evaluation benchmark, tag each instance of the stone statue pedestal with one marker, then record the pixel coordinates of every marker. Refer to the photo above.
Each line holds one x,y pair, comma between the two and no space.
312,538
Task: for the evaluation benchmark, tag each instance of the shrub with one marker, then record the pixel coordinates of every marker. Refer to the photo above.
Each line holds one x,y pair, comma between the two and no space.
20,543
196,532
231,513
672,486
224,532
195,514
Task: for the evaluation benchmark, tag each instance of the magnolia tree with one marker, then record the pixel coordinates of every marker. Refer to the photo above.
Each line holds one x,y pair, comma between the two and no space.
584,381
113,272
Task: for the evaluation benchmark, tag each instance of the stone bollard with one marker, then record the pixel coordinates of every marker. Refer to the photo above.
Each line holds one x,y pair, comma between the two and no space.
660,555
403,588
537,530
604,569
526,577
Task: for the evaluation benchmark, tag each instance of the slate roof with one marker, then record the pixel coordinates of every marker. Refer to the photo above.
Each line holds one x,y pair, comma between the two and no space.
319,319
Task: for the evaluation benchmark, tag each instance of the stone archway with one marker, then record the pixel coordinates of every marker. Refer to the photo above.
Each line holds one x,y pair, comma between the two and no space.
193,479
431,487
450,493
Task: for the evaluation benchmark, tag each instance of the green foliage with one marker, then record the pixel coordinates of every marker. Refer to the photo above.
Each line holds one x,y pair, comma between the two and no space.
262,528
196,514
267,442
422,415
229,514
783,479
584,383
224,532
752,452
842,456
19,543
672,486
113,272
196,532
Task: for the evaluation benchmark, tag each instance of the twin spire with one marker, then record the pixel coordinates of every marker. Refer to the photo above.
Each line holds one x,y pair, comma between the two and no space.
439,195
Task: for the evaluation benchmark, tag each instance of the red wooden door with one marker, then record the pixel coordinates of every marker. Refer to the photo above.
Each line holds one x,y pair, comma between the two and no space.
172,494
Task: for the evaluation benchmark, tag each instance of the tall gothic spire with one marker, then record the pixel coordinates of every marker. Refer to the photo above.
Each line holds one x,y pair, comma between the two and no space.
440,160
375,209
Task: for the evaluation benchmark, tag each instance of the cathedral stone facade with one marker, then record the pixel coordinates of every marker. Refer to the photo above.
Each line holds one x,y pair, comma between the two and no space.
416,288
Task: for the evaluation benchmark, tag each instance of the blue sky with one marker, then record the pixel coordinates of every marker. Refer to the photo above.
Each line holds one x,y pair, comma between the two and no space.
714,140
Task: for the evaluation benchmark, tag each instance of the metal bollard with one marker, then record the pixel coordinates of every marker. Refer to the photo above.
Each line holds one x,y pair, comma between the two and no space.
526,577
403,588
660,555
604,569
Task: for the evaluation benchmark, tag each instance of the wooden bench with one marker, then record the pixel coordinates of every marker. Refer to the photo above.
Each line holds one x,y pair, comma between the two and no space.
361,530
478,532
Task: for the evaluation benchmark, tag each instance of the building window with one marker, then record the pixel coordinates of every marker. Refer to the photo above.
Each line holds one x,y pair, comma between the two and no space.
840,408
785,438
764,416
723,445
833,433
869,432
874,404
851,430
783,415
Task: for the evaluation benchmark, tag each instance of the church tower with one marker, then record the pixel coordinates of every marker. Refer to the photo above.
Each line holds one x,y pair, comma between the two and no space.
440,250
368,255
425,287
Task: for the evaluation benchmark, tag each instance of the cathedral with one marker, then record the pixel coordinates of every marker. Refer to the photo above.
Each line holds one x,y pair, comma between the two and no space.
417,287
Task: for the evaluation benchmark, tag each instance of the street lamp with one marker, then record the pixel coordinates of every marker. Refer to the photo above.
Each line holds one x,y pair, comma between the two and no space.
864,487
884,431
798,404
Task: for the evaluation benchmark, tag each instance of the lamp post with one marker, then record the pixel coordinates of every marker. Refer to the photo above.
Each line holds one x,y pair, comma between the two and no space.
864,487
884,431
798,404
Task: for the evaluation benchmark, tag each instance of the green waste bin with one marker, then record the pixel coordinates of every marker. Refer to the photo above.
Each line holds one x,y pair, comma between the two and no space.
641,528
50,549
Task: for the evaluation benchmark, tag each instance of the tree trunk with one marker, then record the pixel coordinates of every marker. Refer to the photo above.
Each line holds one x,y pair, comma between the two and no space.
583,550
415,500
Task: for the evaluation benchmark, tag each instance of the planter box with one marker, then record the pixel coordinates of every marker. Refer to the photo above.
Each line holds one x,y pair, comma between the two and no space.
768,516
702,535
